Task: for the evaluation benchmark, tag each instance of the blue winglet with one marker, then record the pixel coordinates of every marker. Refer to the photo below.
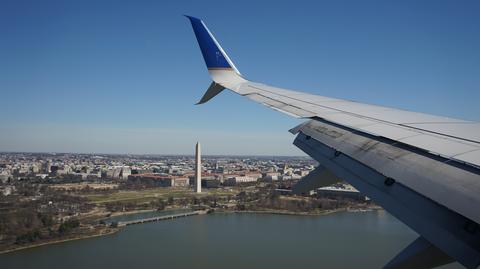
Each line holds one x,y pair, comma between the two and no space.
213,54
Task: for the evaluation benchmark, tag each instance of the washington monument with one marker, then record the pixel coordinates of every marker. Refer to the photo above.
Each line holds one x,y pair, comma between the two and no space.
198,168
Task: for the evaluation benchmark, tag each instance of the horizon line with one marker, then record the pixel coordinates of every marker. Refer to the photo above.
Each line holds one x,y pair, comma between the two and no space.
150,154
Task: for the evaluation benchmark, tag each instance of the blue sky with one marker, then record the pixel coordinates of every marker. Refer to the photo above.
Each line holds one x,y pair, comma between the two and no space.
122,76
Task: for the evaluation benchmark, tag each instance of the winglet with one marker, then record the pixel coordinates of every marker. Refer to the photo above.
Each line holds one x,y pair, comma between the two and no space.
213,54
221,68
212,91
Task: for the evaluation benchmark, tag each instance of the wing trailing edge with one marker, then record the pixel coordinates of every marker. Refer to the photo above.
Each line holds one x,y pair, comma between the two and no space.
420,254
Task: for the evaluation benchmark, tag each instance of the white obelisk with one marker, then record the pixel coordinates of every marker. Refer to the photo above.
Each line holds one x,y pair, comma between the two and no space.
198,168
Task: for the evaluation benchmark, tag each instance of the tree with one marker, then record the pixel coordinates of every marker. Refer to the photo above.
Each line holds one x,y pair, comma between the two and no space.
30,236
242,196
46,219
159,204
68,225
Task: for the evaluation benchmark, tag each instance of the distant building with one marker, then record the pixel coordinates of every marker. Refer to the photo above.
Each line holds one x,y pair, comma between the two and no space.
118,172
41,176
4,177
210,182
271,176
244,178
159,180
302,173
335,192
126,171
64,170
54,169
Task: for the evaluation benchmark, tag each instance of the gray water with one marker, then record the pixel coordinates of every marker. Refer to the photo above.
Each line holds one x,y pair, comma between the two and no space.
341,240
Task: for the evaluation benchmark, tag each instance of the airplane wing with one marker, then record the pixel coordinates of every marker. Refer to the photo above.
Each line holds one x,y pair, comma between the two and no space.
423,169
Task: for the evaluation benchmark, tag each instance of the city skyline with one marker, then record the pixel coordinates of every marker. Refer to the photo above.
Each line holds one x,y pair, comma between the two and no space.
93,77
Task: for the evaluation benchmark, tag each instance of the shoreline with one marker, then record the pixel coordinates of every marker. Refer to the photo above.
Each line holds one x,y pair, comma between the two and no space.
283,212
118,229
112,231
280,212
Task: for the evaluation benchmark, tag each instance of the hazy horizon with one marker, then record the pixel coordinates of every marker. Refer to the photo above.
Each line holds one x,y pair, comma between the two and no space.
153,154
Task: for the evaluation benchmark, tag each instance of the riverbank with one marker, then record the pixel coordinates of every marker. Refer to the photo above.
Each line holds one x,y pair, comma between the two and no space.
108,230
279,212
112,230
98,233
286,212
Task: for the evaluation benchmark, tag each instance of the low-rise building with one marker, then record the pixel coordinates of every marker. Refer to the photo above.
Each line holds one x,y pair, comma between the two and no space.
335,192
159,180
236,179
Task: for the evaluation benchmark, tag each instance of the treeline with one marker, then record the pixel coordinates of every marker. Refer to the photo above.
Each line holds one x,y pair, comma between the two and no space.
37,234
36,212
298,205
269,199
25,226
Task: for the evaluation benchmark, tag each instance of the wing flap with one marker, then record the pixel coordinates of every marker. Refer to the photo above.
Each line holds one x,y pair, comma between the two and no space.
449,186
420,254
319,177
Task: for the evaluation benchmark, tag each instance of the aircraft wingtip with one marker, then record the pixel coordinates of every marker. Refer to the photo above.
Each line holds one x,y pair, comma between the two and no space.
191,17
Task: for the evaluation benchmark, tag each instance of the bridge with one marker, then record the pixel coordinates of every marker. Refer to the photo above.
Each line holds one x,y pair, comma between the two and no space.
160,218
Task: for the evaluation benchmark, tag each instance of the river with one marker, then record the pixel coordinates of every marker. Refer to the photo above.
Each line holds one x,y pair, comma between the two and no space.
340,240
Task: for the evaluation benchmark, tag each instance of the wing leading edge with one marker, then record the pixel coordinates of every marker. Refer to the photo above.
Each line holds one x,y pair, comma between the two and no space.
442,140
